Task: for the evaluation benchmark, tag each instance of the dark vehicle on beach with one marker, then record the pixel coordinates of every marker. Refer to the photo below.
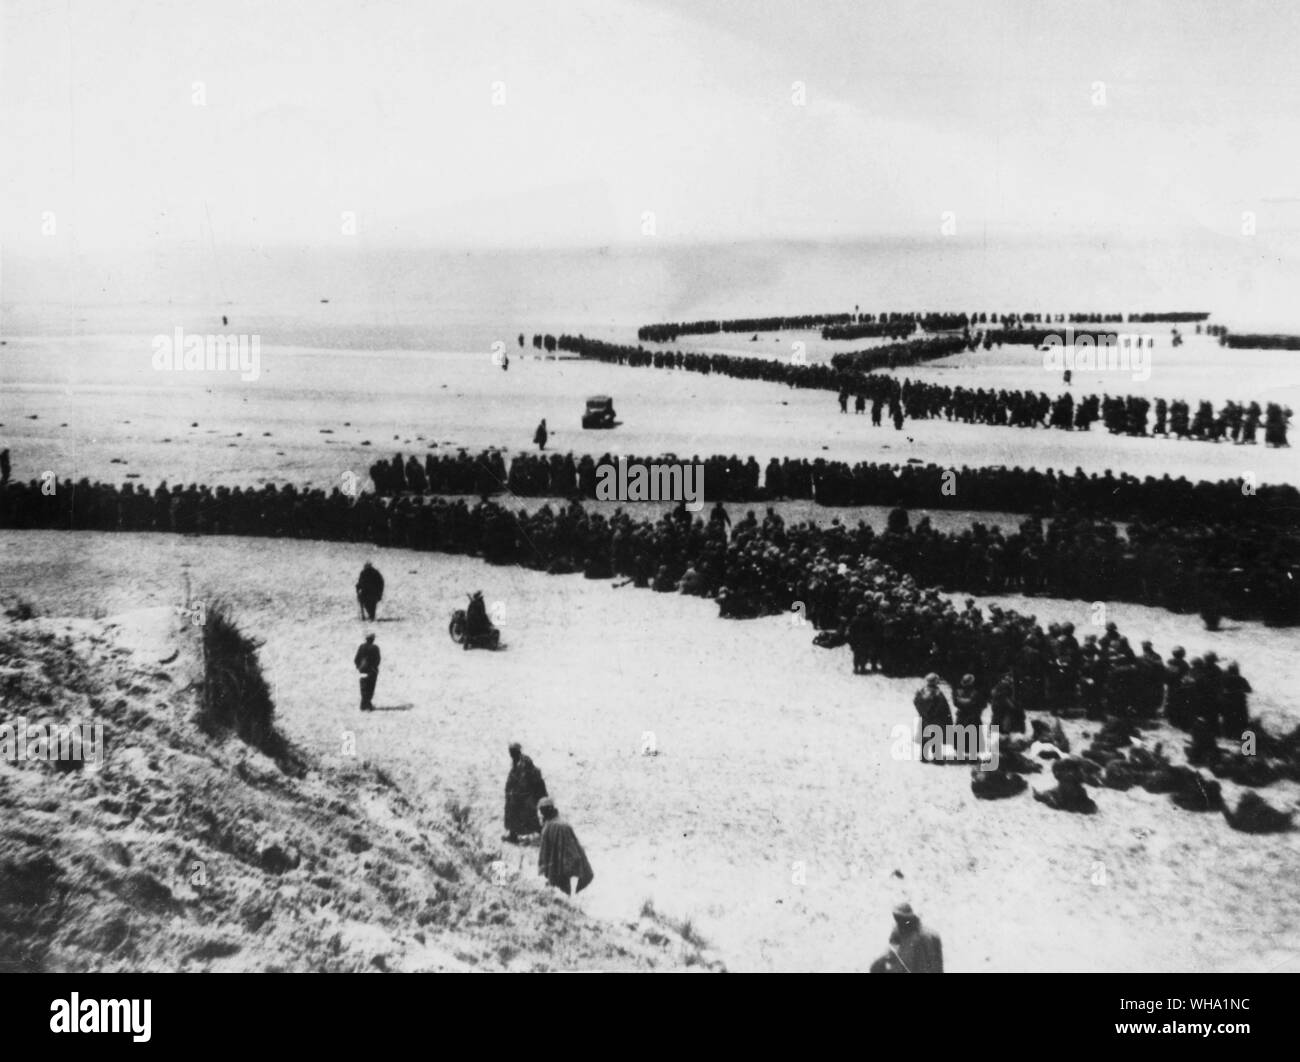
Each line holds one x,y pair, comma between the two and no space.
600,412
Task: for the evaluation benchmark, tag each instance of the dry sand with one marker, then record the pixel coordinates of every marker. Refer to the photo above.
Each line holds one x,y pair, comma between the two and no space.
770,754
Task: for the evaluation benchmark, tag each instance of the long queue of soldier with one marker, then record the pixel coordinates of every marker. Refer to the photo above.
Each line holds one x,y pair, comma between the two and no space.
841,325
1215,570
1238,503
828,482
915,400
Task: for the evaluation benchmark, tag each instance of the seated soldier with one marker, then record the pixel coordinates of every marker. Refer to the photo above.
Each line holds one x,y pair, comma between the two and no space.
995,785
694,583
477,625
1069,794
663,581
1256,815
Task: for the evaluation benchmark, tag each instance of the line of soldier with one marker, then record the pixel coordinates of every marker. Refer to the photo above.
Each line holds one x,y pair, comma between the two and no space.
924,401
732,479
1244,571
668,332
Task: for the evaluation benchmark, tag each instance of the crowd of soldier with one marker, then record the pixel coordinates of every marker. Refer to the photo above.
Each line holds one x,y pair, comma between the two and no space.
842,582
1243,571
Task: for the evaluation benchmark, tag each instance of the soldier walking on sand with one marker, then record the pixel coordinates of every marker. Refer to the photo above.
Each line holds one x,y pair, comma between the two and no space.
524,788
367,663
370,590
911,948
561,858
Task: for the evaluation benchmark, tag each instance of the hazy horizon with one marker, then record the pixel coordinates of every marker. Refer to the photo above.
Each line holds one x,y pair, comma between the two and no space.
725,159
152,123
496,291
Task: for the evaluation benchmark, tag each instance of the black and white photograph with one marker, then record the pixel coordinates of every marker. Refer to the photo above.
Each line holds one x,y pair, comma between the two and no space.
697,486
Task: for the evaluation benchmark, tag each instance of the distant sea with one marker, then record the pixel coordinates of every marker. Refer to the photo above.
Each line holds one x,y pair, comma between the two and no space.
355,297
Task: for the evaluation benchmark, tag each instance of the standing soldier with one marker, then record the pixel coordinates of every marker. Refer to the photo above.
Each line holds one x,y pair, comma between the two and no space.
912,949
540,435
860,639
367,663
524,788
1152,670
970,702
370,590
1235,713
932,707
1008,717
561,858
1176,669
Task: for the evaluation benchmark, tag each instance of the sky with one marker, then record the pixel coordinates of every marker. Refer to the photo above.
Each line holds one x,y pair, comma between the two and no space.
137,124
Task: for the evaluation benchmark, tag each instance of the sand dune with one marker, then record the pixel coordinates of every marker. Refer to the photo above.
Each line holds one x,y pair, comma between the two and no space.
166,848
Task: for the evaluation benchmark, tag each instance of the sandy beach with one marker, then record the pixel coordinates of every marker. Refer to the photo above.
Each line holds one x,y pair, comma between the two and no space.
773,815
94,406
770,754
